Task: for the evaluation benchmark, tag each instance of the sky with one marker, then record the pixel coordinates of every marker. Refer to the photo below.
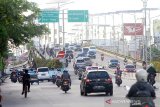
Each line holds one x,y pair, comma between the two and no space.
100,6
97,6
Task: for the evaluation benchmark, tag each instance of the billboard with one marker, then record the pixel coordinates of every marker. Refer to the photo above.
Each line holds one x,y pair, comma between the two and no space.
133,29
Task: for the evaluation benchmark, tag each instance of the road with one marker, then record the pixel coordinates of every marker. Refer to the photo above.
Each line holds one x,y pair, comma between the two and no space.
47,94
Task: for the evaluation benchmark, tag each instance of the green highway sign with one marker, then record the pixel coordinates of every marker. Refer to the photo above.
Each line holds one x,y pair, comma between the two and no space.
48,16
77,15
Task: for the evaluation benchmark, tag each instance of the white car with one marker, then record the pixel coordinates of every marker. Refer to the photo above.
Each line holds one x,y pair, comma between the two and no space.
43,73
92,48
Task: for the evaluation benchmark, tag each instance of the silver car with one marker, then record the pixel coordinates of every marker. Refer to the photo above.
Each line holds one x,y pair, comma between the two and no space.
88,61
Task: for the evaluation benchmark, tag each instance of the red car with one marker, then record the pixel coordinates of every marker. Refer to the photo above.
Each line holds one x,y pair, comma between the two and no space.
129,68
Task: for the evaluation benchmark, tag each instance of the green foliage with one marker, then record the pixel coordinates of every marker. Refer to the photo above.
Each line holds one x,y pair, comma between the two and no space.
15,26
41,62
55,63
156,65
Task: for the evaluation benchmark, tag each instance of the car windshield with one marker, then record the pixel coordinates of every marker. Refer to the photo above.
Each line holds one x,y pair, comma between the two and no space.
42,69
129,66
31,71
97,75
80,61
115,61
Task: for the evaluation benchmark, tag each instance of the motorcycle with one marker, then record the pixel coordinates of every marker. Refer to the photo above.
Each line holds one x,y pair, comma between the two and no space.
80,74
141,102
20,78
14,78
118,80
53,79
65,85
58,81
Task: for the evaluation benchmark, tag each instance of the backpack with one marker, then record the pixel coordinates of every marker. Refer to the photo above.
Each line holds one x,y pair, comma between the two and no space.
143,92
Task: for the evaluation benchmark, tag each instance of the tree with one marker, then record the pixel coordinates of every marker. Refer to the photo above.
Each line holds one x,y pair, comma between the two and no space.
16,27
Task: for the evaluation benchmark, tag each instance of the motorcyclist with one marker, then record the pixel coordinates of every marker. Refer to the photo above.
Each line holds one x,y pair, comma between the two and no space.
66,76
141,92
118,72
134,62
102,56
144,65
26,81
125,61
151,71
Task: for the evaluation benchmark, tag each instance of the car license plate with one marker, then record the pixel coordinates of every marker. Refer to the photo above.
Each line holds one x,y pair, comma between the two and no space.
43,74
98,87
33,79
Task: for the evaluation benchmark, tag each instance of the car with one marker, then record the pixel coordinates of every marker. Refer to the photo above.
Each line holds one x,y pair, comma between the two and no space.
95,81
91,54
68,53
71,47
92,48
43,73
113,63
33,76
129,68
79,62
78,48
85,50
93,67
57,47
88,61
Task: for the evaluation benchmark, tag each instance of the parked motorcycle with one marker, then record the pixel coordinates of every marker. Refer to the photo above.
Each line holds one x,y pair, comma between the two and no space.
118,80
58,81
152,79
65,85
14,78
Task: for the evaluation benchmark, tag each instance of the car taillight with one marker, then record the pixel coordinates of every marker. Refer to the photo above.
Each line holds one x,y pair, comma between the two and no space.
109,80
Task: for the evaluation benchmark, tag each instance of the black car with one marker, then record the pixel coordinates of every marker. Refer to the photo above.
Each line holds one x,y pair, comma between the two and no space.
91,54
95,81
113,63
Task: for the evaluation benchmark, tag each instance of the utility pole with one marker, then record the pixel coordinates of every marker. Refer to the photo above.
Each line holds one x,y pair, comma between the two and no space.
63,29
145,40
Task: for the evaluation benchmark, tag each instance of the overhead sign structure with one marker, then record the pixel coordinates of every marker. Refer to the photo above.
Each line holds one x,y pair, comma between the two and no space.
77,15
48,16
133,29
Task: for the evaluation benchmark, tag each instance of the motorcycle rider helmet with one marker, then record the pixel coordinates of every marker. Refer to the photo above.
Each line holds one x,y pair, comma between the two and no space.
65,71
118,67
141,75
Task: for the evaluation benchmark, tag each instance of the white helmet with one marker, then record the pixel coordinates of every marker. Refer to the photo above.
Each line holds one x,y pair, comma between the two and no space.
141,75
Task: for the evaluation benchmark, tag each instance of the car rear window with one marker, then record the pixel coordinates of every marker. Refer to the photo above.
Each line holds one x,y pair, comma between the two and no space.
85,49
69,52
42,69
114,61
91,52
86,59
129,66
97,75
80,61
92,47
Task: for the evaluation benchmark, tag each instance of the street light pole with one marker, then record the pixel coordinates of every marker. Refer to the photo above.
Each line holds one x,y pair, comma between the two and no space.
145,51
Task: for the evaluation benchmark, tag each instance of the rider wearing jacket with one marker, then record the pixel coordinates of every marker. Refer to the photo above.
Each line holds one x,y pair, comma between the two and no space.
118,72
141,91
26,81
66,76
151,71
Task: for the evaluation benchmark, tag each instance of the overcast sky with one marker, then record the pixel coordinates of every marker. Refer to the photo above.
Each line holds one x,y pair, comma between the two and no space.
97,6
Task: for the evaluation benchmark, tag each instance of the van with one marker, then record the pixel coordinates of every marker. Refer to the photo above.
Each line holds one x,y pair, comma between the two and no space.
43,73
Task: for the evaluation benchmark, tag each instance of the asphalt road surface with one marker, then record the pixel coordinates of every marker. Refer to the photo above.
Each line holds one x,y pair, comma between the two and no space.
47,94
